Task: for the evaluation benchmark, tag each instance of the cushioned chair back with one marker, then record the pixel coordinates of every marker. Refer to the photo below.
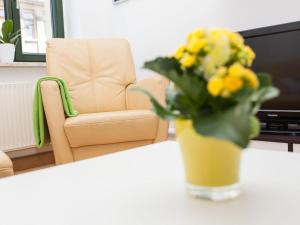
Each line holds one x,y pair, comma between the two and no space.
96,71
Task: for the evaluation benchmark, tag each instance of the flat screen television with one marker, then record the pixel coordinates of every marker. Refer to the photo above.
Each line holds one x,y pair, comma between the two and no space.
278,53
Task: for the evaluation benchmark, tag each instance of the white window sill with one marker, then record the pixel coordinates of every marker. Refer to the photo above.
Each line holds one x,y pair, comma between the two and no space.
23,64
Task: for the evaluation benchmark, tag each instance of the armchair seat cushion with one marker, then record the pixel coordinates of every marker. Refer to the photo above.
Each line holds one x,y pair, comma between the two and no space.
111,127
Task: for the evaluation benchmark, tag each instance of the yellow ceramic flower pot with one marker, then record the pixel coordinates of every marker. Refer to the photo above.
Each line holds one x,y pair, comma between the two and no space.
212,166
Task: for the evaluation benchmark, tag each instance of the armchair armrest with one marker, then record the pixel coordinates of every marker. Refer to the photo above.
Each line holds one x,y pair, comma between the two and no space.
55,119
156,85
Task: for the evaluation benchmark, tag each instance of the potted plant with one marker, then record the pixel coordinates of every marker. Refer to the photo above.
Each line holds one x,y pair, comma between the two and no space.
213,100
8,41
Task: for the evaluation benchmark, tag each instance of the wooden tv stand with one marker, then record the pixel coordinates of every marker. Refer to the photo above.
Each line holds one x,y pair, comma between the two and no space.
289,139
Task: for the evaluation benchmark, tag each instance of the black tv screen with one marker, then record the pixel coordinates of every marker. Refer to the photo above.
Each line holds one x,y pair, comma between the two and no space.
279,54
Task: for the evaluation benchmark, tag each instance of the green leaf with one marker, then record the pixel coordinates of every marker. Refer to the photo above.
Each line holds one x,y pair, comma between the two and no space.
157,107
13,39
7,29
242,95
164,65
232,125
262,95
1,40
177,101
191,85
255,127
269,93
265,79
8,36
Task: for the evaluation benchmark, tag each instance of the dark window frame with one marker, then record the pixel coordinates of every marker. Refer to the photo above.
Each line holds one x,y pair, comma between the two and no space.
11,12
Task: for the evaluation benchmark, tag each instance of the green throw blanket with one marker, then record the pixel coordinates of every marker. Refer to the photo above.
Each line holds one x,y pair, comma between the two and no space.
40,128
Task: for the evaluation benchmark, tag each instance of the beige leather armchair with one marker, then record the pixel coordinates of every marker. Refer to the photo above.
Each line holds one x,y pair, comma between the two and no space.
99,74
6,166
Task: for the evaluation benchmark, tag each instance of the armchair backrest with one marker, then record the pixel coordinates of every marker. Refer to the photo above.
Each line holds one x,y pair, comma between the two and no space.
96,71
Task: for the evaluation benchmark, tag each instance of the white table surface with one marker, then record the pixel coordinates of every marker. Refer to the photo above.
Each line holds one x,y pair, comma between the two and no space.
145,186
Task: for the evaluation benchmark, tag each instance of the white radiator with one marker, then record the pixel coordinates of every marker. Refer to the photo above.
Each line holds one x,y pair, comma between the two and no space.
15,115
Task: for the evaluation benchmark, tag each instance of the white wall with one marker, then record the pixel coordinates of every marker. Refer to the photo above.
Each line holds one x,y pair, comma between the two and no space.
21,74
157,27
153,27
241,15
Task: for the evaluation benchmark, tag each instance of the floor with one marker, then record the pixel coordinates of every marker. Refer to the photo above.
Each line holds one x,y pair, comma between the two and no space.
171,137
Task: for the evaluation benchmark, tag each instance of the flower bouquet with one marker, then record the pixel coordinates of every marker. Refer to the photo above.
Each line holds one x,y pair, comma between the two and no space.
213,98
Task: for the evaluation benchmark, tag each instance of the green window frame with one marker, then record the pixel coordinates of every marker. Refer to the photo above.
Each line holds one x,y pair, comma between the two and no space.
12,12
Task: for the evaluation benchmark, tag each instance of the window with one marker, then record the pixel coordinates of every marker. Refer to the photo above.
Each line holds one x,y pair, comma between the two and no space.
39,20
2,12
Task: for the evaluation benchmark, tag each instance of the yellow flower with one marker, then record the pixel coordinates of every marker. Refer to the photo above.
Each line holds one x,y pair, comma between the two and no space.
236,69
221,71
225,93
179,53
234,80
241,72
209,67
252,79
236,39
246,56
233,83
198,33
219,32
218,55
250,55
215,86
188,60
220,51
195,45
